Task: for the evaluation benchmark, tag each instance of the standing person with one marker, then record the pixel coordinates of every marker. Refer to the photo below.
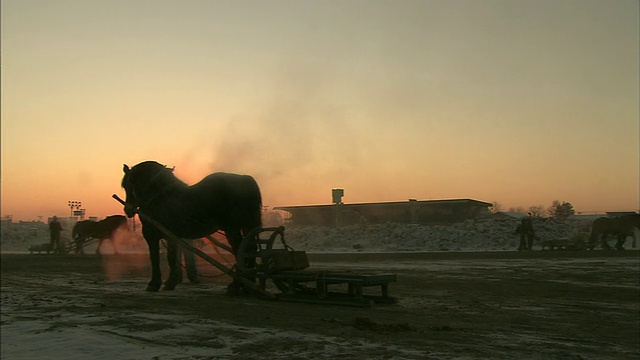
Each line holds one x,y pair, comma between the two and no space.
525,229
54,229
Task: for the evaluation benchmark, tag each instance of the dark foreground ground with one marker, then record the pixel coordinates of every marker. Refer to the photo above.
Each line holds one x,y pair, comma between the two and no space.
505,305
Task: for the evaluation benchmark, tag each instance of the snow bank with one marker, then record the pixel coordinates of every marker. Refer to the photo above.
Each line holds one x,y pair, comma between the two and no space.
480,235
18,237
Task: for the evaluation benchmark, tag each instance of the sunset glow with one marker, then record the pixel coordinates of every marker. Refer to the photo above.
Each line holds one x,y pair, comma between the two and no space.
517,102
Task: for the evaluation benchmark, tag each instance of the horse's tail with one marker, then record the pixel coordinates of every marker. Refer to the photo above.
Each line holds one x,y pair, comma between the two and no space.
256,201
251,204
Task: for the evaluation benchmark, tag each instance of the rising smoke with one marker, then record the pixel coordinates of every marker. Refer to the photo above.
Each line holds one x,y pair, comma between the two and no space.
295,143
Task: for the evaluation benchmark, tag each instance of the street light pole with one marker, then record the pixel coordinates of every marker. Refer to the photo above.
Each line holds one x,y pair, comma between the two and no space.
74,205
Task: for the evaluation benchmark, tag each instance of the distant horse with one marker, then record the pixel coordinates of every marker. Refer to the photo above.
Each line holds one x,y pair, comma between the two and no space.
220,201
100,230
622,227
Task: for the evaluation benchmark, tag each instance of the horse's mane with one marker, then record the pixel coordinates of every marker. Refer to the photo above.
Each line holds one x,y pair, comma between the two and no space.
153,175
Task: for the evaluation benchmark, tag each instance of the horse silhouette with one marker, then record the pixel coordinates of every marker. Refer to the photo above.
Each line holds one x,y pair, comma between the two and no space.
100,230
622,227
220,201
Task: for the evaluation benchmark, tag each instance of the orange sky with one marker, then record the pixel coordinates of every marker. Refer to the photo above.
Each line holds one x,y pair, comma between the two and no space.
521,103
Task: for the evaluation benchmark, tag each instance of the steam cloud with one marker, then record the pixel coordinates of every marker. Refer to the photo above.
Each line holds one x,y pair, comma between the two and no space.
282,144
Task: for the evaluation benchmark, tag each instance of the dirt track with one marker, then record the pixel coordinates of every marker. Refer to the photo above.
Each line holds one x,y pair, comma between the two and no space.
505,305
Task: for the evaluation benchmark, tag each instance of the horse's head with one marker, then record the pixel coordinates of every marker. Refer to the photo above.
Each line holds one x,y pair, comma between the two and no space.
130,202
140,184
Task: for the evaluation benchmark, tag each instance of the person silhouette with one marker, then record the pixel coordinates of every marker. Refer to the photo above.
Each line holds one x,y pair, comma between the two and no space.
54,230
525,229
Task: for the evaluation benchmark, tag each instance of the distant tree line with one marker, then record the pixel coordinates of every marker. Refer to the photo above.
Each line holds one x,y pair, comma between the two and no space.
558,210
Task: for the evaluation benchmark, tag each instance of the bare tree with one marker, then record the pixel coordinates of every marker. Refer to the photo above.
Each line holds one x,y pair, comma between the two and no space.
537,210
518,209
496,207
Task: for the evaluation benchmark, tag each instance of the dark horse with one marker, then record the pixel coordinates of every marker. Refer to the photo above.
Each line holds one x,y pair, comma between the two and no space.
622,227
221,201
100,230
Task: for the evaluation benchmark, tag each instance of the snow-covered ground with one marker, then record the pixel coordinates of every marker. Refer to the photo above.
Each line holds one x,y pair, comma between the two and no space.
68,312
480,235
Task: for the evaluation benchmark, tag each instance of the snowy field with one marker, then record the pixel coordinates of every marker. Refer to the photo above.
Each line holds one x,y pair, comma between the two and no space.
463,293
481,235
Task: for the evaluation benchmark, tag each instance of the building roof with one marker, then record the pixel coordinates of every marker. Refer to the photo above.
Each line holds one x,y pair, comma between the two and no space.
387,203
585,216
620,213
510,214
410,211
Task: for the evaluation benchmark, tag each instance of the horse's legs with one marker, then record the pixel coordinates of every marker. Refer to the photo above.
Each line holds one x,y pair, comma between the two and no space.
621,240
523,245
99,246
79,245
593,238
190,262
175,266
603,241
115,248
235,240
154,255
530,241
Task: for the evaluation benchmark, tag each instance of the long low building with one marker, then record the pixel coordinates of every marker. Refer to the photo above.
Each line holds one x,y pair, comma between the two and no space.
411,211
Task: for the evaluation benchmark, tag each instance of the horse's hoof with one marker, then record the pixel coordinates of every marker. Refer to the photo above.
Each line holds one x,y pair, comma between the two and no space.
194,281
153,286
169,286
234,289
